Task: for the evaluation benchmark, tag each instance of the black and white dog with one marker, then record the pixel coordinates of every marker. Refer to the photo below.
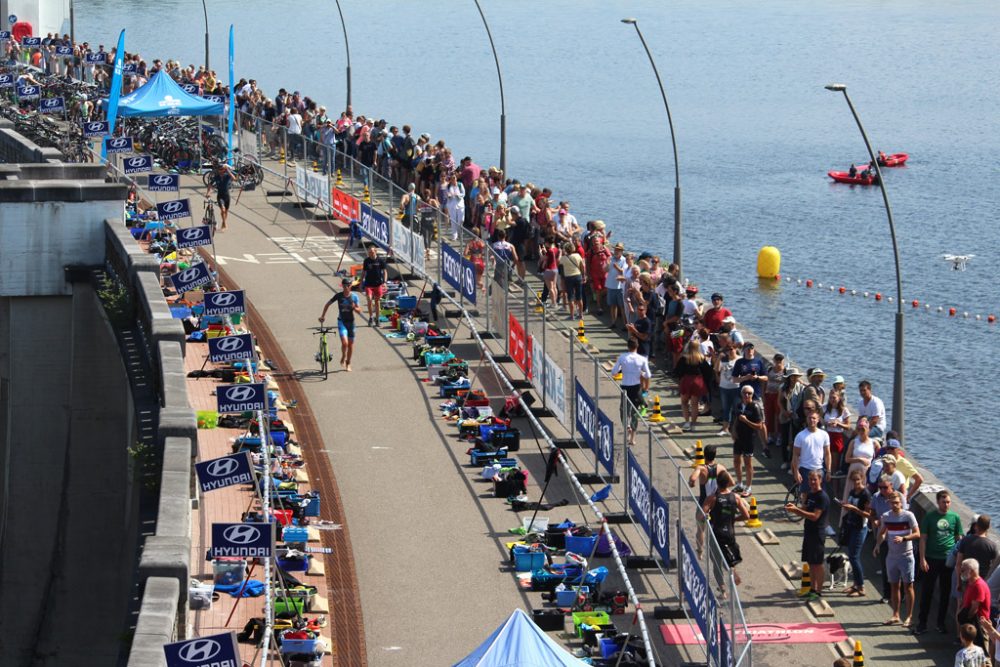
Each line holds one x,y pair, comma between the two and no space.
840,569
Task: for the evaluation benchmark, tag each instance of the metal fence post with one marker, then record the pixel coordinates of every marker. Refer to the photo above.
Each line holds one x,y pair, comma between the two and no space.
284,149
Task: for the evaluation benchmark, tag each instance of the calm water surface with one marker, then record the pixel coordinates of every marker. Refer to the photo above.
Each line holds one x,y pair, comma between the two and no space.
756,134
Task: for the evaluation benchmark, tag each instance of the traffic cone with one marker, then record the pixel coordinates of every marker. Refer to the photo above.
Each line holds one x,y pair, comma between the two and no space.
859,657
315,166
539,307
580,333
699,455
340,180
281,156
657,416
806,585
754,520
368,196
617,377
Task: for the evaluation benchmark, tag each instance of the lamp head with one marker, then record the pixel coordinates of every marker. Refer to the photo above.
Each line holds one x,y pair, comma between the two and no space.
836,87
630,21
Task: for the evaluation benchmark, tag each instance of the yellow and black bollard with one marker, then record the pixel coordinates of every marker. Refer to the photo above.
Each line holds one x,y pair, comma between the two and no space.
539,304
754,520
368,196
805,587
581,334
281,156
699,455
859,657
340,179
315,166
657,416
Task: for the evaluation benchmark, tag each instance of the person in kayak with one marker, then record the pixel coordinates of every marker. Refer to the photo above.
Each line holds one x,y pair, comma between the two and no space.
853,171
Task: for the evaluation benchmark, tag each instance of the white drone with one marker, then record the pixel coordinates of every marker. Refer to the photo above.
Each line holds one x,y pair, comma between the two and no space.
958,261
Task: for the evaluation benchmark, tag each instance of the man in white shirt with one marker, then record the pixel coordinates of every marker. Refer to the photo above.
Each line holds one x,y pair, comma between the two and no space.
294,131
871,406
615,284
634,369
812,452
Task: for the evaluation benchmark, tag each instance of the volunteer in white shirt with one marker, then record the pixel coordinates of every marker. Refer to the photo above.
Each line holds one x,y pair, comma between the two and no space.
633,367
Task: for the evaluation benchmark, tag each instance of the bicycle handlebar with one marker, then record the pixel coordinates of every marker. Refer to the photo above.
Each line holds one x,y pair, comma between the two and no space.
321,330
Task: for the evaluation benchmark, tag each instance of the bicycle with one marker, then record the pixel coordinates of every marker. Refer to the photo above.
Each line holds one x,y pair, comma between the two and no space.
793,497
323,355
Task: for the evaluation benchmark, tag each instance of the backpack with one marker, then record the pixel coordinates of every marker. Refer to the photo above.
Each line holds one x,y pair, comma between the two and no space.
409,150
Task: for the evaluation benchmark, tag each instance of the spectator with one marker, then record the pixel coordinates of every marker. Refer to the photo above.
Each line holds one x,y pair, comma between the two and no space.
815,507
975,606
977,546
854,524
871,406
898,528
940,530
970,655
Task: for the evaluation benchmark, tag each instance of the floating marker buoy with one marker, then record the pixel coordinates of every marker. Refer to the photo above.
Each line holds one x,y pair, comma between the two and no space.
915,303
843,290
854,292
940,309
927,306
768,262
832,288
878,296
866,295
809,283
965,314
991,319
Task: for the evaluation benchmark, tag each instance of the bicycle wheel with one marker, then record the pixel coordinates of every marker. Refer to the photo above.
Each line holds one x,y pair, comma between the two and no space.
324,355
792,497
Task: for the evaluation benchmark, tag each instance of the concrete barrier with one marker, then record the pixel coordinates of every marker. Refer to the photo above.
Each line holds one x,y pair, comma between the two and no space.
173,518
123,255
156,623
172,381
168,557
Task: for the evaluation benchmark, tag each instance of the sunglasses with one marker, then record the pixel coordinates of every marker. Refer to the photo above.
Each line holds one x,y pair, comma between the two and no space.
884,488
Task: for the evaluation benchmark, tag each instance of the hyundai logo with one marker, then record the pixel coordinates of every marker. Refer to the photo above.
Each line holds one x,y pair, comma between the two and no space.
52,102
192,234
136,162
189,275
240,393
95,127
120,142
229,344
222,467
200,651
225,299
163,179
173,206
241,535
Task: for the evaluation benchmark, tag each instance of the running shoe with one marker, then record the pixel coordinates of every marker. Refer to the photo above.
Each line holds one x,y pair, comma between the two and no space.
684,426
722,432
813,596
747,492
738,488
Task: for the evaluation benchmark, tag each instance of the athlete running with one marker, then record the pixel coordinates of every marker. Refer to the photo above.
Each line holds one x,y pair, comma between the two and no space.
348,303
723,509
222,181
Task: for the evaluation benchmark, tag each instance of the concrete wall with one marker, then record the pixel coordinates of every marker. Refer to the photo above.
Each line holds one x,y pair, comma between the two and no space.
14,148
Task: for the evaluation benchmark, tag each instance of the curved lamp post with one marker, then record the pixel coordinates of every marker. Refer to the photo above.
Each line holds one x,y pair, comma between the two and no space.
673,140
348,48
204,8
503,107
897,380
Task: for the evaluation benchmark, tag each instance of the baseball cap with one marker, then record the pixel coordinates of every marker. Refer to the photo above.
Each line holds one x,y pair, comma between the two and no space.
729,319
839,379
888,458
792,372
717,296
817,371
892,442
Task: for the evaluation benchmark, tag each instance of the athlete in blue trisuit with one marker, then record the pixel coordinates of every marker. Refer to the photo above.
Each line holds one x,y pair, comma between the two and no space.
348,303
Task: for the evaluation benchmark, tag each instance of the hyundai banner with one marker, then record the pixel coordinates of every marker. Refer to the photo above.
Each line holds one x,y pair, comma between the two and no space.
52,105
164,183
375,225
138,164
64,51
190,88
171,210
548,378
218,99
194,237
458,272
225,471
29,92
4,34
225,349
95,128
242,540
6,80
698,595
118,144
129,69
313,187
596,428
224,303
241,398
191,278
211,651
99,58
31,41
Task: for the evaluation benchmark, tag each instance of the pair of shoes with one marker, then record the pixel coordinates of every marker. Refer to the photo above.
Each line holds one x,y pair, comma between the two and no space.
722,432
747,492
738,488
685,426
812,596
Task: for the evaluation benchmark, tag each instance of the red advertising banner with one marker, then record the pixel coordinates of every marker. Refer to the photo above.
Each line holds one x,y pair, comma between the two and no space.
520,346
345,206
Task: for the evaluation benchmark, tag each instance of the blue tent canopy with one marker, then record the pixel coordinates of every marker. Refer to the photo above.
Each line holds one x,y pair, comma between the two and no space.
519,643
161,96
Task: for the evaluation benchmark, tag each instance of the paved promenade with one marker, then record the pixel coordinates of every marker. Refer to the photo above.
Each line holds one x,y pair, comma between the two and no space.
426,536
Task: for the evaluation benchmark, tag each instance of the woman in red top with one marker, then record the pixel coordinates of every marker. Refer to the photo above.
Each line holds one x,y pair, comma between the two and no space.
474,252
597,256
550,269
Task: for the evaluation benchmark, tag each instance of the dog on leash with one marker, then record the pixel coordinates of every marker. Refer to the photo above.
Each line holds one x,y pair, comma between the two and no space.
840,571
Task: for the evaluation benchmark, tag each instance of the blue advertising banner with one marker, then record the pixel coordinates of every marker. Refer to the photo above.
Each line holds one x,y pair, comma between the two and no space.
52,105
211,651
118,144
99,58
230,348
242,540
659,525
129,68
374,225
218,99
29,92
241,398
191,278
224,471
31,41
725,647
64,51
4,34
596,428
95,128
698,595
638,491
171,210
138,164
6,80
114,95
224,303
190,88
192,237
164,183
458,272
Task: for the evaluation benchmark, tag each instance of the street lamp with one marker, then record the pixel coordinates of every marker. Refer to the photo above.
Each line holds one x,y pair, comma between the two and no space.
503,107
673,139
897,389
204,8
348,48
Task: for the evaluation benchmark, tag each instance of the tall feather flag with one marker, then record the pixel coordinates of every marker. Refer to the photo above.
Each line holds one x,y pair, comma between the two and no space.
116,91
232,98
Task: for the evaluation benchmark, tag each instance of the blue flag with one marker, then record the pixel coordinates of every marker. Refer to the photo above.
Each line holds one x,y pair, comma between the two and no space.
232,98
116,91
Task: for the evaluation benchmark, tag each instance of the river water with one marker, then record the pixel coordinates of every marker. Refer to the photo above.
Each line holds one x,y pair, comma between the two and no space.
756,134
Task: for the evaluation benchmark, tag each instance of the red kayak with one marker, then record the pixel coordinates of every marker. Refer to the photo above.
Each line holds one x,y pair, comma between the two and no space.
845,177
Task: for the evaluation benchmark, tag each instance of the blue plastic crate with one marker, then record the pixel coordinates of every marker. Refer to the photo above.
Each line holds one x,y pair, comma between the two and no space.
298,646
581,545
295,534
526,560
406,302
567,597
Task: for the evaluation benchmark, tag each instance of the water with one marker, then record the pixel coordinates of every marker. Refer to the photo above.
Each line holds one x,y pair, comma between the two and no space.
756,134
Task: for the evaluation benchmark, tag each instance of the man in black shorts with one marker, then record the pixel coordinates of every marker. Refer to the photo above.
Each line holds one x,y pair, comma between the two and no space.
347,304
723,508
222,180
817,505
748,424
374,280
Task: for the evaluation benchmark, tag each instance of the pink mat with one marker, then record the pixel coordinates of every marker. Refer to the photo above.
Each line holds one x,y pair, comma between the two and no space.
787,633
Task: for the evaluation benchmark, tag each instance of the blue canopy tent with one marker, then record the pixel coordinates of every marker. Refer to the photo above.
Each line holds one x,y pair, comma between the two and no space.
161,96
519,643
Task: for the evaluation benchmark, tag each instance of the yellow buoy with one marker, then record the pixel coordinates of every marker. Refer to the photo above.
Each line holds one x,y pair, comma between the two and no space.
768,262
